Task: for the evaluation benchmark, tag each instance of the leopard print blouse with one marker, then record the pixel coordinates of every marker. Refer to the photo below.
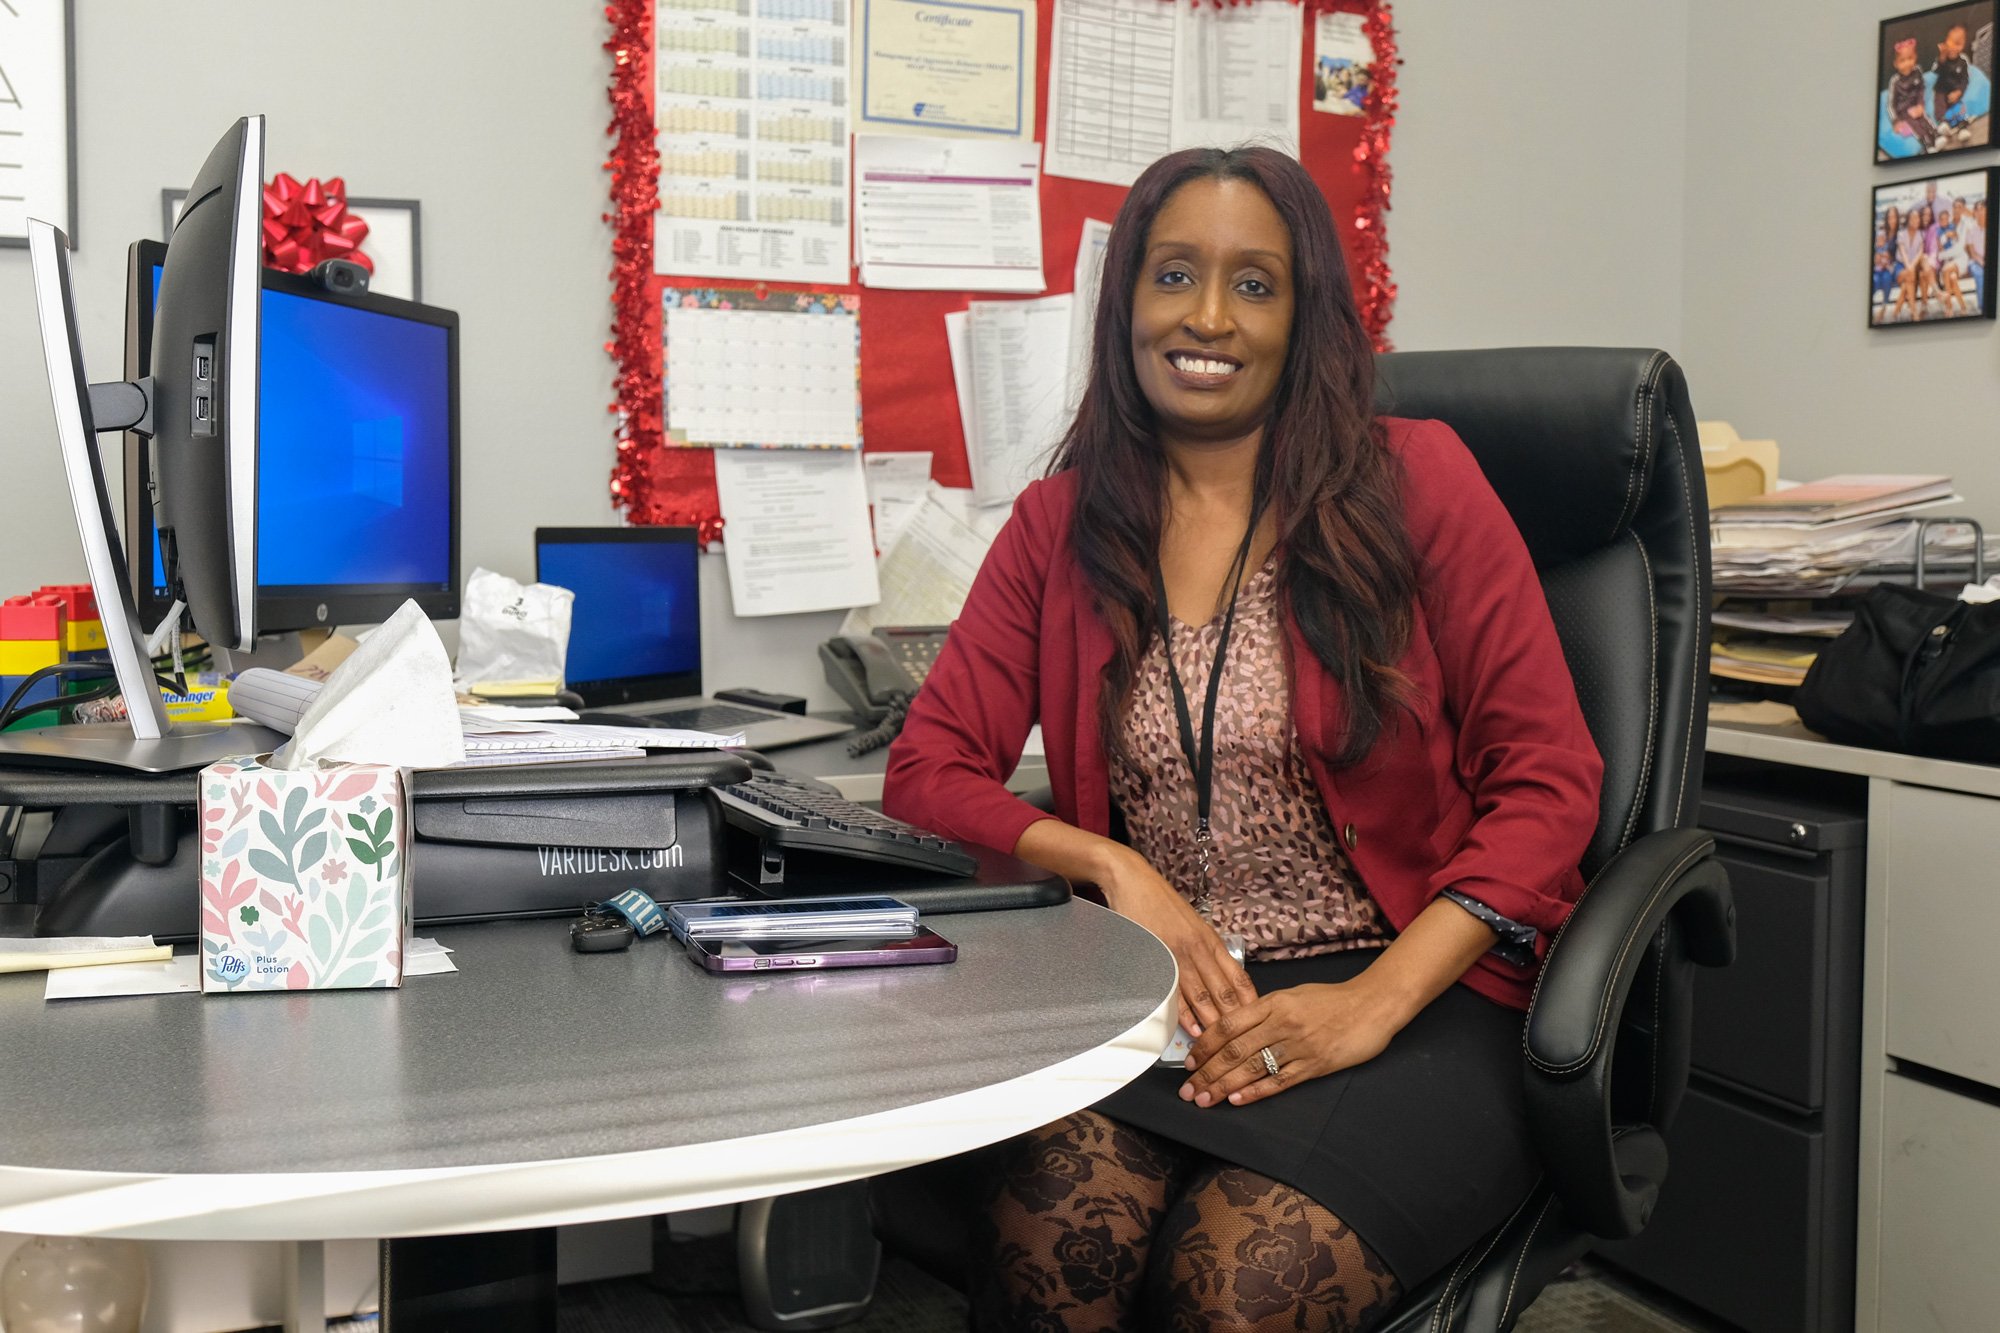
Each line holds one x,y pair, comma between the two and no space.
1281,880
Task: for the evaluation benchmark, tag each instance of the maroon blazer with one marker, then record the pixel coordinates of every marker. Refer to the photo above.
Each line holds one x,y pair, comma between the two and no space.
1489,785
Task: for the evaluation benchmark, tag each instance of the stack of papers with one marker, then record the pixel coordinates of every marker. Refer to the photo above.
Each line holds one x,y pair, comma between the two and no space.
1807,564
1836,498
278,701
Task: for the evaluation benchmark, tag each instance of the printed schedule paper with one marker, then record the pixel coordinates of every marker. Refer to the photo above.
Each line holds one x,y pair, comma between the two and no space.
751,103
1133,80
762,378
1018,354
797,530
1238,75
1111,88
948,214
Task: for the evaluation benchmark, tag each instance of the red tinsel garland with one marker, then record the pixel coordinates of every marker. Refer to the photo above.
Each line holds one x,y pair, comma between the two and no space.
650,482
658,485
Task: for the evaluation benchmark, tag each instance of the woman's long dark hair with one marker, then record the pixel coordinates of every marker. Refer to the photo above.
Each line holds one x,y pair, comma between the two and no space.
1348,576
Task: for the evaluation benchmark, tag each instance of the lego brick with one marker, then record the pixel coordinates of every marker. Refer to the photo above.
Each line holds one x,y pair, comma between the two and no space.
31,617
21,657
43,690
85,636
82,602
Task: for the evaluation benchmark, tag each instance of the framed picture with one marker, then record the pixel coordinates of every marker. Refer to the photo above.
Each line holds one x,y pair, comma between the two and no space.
37,117
1928,250
1934,81
394,240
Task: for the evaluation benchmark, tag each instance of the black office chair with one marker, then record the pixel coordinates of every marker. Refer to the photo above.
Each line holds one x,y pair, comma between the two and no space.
1593,451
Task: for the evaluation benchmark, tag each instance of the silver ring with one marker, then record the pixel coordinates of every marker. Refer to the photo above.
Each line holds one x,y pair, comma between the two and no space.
1270,1062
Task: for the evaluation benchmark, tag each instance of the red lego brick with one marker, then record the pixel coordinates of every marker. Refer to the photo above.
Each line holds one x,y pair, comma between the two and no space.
30,616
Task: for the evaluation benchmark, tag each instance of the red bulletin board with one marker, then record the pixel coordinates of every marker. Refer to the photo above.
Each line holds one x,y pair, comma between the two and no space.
908,398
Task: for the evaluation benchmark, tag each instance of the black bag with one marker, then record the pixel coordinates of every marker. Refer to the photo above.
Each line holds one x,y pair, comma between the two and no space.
1915,672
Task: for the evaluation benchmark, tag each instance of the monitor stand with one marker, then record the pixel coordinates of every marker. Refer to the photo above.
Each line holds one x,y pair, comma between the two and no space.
111,745
146,742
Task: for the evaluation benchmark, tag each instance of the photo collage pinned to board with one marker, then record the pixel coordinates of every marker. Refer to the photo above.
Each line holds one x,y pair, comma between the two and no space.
879,224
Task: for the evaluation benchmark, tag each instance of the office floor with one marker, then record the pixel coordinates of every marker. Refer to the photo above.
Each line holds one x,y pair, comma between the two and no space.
908,1301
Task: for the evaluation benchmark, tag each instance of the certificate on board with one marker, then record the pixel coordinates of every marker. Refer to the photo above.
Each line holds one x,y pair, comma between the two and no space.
37,124
947,67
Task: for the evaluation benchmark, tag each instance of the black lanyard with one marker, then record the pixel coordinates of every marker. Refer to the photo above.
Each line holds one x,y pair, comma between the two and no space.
1201,758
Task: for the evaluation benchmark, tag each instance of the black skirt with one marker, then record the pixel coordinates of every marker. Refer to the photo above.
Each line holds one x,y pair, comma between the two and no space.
1422,1150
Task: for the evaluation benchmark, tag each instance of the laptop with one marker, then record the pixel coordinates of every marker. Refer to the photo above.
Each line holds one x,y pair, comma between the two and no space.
635,633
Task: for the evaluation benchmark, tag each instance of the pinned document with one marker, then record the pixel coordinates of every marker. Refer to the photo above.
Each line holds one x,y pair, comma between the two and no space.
797,530
1018,357
1237,76
751,101
777,370
1133,80
927,575
948,214
946,66
897,484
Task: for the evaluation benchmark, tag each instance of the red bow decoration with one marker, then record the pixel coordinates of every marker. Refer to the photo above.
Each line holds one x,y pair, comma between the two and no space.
304,224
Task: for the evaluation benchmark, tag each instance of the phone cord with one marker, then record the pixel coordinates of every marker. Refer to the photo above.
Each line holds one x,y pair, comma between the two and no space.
884,731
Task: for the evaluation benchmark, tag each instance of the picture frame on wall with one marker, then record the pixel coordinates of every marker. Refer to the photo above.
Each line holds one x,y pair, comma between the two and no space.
37,117
394,242
1934,81
1928,251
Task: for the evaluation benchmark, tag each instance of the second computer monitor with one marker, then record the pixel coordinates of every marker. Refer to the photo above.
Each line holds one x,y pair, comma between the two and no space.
358,455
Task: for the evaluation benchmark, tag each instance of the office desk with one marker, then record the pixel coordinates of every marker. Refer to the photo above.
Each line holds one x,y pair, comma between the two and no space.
859,778
538,1086
1928,1215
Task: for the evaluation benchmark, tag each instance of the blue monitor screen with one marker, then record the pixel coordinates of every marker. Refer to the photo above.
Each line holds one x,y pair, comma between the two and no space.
637,611
353,448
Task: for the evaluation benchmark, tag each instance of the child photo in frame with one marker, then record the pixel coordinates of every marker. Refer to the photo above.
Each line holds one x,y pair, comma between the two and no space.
1928,250
1934,81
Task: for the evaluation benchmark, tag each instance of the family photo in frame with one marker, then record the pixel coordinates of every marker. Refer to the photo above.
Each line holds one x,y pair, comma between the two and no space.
1930,245
1934,81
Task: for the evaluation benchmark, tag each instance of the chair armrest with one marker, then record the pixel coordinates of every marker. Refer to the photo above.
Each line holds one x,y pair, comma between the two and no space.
1661,904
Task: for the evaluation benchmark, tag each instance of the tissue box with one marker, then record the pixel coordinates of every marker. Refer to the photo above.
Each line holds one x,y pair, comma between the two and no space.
304,880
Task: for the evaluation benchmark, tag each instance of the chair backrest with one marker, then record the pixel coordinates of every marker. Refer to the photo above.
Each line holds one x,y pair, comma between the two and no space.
1593,451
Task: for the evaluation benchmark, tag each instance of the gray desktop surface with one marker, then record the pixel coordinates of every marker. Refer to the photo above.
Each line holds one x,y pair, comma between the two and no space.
859,777
533,1053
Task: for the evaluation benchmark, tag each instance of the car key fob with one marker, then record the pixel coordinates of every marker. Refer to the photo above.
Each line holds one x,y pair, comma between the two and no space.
599,934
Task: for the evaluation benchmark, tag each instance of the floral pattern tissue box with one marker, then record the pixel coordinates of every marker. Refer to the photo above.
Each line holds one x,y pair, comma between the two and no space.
304,882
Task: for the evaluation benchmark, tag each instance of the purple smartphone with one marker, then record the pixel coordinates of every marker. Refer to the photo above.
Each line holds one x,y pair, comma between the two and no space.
797,955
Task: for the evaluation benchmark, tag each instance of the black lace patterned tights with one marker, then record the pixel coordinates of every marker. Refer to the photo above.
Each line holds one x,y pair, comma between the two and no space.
1096,1226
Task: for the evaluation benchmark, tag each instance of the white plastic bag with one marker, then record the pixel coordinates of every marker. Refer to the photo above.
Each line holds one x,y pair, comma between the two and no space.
512,632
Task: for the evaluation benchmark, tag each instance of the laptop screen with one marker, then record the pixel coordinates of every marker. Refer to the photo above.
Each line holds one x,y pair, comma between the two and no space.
635,630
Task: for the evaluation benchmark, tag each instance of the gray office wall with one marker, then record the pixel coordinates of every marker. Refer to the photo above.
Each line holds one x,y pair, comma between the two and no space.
1538,172
1537,160
1777,213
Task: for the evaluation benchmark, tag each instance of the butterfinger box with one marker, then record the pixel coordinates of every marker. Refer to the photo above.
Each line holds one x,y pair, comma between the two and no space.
304,877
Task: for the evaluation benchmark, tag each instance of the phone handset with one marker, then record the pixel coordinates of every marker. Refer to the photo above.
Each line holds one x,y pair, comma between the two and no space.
862,672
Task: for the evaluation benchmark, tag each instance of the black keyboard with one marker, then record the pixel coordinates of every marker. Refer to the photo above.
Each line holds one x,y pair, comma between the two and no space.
806,817
705,717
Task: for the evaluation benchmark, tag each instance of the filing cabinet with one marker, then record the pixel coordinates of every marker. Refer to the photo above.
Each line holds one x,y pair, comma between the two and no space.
1756,1223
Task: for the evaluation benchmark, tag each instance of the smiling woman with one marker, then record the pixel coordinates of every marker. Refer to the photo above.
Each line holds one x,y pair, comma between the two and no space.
1301,652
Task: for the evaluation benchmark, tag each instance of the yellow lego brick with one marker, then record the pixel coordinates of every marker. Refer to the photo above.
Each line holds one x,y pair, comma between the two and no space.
21,657
85,635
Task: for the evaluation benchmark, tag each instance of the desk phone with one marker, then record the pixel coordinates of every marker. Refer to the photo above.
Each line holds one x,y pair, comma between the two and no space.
871,672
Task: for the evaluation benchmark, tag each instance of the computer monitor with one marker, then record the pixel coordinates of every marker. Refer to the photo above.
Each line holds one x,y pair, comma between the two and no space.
357,449
204,389
200,404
